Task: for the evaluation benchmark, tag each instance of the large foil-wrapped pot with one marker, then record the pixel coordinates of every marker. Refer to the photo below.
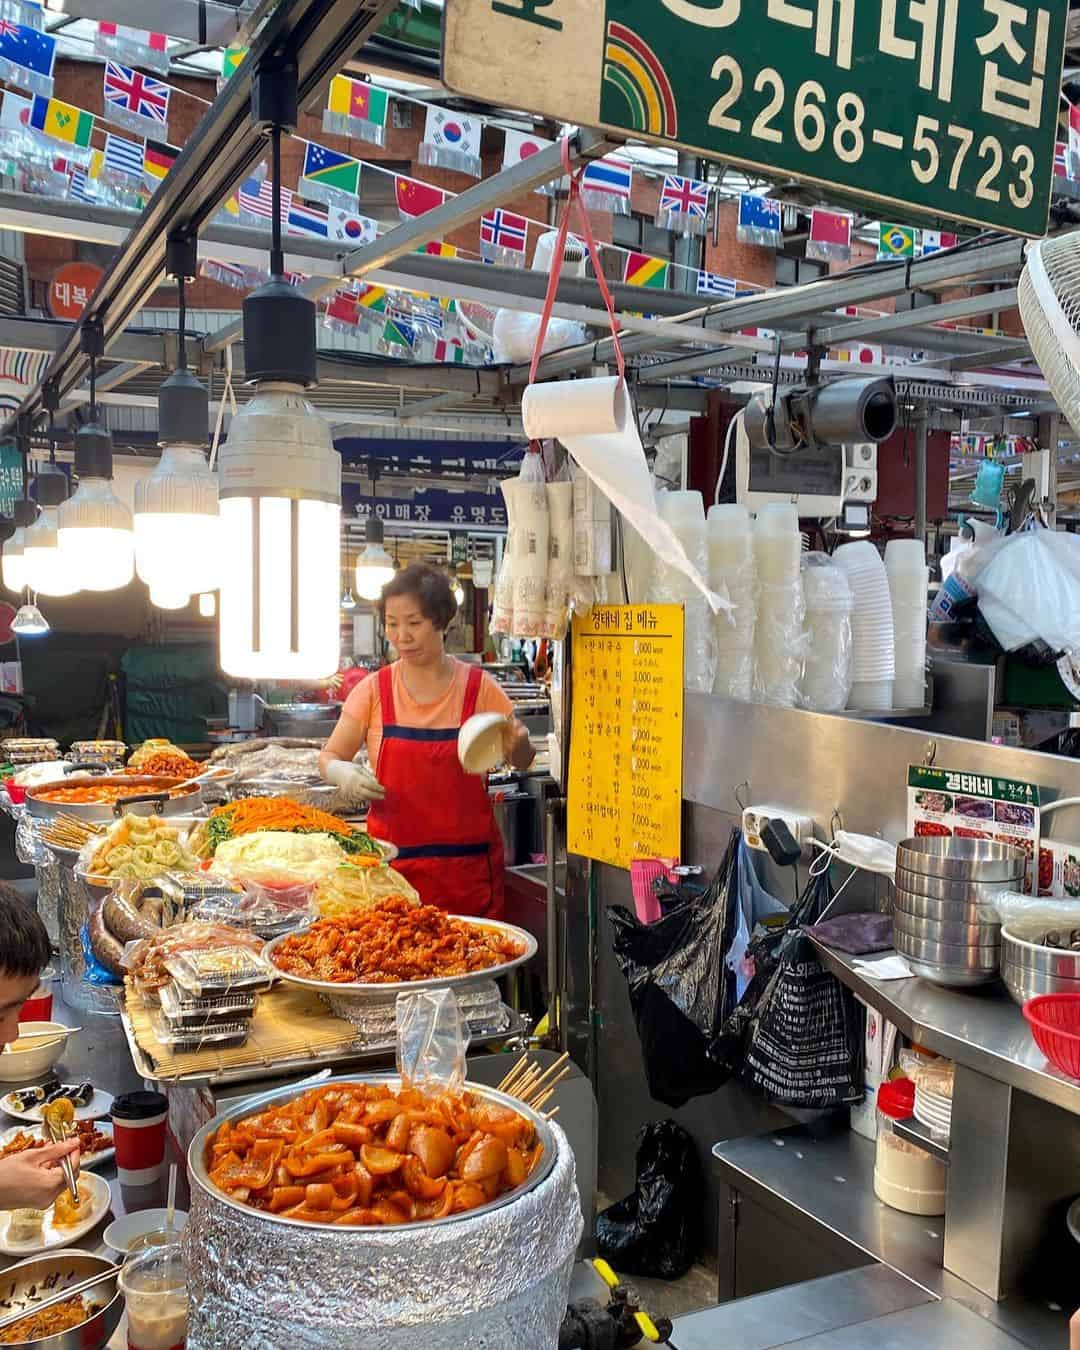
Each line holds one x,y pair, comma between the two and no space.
493,1279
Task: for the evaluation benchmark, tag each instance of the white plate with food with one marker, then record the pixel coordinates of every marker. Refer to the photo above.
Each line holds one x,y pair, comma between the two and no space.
95,1141
21,1234
90,1103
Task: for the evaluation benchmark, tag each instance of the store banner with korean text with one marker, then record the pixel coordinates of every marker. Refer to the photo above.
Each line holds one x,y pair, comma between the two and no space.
953,804
948,108
624,798
433,506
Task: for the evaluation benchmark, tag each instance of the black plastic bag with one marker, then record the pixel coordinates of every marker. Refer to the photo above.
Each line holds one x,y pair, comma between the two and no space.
681,990
804,1038
656,1230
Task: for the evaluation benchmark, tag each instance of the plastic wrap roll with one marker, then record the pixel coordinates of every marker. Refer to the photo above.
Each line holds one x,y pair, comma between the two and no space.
560,575
498,1280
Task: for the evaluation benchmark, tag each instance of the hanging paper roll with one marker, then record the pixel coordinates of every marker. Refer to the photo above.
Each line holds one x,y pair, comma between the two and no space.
331,177
684,205
451,141
357,109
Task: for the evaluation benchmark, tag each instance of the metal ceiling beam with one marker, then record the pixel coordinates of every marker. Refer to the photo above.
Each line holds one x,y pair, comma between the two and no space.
195,20
995,356
780,309
883,326
321,35
456,211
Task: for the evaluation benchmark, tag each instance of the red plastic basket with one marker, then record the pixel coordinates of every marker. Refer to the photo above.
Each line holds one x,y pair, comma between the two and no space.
1054,1020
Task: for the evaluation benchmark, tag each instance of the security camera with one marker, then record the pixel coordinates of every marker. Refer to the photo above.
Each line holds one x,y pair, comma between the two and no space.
857,410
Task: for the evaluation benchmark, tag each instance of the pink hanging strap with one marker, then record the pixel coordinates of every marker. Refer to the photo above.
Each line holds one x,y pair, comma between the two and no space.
574,199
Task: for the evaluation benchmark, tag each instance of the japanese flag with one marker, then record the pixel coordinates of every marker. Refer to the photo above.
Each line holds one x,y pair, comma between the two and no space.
521,145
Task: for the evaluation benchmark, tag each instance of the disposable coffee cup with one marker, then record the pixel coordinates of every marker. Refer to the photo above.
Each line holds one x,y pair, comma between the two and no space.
139,1120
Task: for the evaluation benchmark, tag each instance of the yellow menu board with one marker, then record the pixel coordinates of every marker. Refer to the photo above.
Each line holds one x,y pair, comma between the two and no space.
626,733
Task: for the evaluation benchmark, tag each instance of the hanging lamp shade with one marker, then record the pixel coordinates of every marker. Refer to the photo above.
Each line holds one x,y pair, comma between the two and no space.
374,566
29,622
13,561
280,502
176,505
95,530
45,571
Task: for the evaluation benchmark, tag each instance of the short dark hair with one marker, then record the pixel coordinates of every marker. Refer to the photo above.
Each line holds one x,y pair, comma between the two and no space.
24,943
431,590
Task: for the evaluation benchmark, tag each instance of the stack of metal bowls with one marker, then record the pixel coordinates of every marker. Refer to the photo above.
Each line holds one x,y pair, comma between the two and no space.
1030,967
944,922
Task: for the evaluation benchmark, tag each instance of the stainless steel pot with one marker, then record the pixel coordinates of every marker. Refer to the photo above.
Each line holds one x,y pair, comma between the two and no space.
953,934
58,1270
314,720
1024,983
150,798
944,911
948,955
961,859
1021,948
937,888
248,1106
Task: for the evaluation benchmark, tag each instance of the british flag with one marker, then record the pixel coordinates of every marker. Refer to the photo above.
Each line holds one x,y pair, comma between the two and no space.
129,94
684,196
505,230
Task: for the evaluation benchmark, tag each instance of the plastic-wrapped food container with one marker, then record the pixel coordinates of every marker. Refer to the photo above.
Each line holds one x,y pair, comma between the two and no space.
222,970
181,1010
220,1036
906,1177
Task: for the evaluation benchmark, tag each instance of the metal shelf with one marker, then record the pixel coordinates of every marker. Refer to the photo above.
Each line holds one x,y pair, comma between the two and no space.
915,1132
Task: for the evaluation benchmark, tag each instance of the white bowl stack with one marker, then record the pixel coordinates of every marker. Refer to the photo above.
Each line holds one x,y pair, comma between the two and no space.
909,581
873,648
826,681
731,565
778,634
685,513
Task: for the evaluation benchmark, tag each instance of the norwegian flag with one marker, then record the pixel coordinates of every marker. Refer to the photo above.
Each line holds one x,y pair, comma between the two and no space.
135,100
503,236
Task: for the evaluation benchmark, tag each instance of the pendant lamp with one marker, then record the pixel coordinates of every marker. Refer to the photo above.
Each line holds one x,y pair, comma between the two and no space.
348,600
45,571
374,566
13,561
29,622
176,506
280,476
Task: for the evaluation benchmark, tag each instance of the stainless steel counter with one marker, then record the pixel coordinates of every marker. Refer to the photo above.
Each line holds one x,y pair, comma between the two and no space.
981,1028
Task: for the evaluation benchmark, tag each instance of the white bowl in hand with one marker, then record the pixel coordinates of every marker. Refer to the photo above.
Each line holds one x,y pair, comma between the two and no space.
480,742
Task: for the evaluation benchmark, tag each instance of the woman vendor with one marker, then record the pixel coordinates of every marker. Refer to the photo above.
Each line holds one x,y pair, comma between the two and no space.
408,716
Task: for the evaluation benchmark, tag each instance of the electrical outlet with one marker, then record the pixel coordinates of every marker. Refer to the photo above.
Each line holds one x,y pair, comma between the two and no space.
754,819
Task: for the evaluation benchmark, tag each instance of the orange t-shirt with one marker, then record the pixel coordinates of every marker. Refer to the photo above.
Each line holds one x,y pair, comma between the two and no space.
364,705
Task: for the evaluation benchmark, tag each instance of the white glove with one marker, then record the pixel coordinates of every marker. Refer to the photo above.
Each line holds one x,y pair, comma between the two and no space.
357,783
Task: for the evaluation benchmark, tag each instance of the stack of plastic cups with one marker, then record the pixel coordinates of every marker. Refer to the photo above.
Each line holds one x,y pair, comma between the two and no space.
779,639
826,682
909,581
731,565
685,513
873,649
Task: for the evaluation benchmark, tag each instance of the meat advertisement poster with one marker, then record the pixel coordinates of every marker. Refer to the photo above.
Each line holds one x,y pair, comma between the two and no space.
973,806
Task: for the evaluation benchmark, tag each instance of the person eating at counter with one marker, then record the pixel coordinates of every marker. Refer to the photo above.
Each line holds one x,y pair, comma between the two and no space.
34,1178
408,716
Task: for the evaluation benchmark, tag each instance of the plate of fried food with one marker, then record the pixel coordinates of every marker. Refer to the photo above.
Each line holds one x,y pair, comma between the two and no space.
23,1231
94,1136
396,946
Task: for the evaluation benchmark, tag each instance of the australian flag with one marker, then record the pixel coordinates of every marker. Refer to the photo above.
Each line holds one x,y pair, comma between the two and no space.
759,221
26,57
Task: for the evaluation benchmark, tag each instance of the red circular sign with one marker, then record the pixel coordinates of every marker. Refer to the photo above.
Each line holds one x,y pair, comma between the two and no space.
71,287
7,616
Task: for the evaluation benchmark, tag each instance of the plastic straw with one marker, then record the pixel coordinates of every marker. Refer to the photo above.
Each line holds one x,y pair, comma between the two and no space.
170,1209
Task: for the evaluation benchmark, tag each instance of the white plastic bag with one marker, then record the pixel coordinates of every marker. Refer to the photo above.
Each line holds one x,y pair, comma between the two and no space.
1031,585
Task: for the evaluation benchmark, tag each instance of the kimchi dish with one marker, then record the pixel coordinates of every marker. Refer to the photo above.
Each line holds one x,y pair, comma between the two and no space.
362,1155
393,941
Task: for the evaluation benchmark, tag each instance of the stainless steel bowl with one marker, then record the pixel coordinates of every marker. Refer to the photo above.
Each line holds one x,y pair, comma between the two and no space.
199,1176
950,977
1024,984
150,798
948,955
954,892
64,1268
953,934
1020,948
944,911
961,859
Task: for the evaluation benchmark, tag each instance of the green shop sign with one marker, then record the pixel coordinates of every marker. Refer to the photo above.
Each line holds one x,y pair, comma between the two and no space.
11,477
938,107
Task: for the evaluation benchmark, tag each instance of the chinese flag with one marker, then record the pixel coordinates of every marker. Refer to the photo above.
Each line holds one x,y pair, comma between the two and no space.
414,198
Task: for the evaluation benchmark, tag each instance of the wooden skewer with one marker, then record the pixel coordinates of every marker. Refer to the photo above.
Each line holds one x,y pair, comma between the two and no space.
514,1074
544,1077
546,1090
550,1115
525,1083
538,1102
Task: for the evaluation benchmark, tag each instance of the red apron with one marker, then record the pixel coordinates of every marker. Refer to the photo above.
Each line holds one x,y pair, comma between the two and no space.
439,816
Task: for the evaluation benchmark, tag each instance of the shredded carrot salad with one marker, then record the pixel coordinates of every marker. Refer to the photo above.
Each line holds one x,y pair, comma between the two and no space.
277,813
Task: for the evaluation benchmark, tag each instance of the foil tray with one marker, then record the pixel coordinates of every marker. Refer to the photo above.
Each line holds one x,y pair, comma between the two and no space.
379,993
